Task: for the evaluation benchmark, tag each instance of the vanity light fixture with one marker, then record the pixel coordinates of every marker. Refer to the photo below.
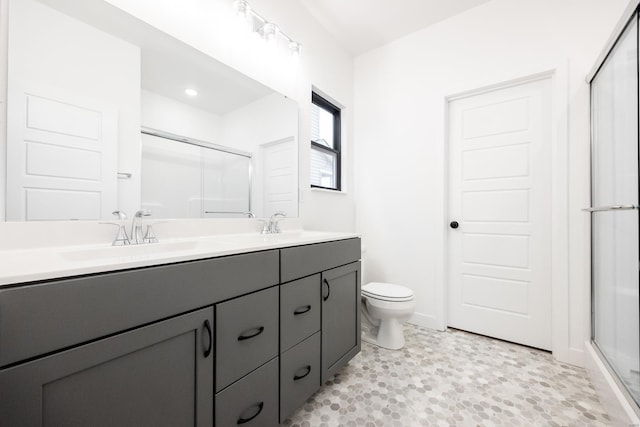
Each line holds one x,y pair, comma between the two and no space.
191,92
268,31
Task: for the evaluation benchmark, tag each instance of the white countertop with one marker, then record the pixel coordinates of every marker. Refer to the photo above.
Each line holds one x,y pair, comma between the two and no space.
36,264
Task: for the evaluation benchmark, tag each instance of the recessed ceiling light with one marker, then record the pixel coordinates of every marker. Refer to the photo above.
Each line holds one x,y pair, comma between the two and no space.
191,92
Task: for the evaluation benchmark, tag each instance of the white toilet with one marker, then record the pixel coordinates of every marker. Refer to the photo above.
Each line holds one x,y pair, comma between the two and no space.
385,307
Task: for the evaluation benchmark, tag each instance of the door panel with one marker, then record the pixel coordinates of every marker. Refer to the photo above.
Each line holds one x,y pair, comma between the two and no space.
63,152
500,184
280,178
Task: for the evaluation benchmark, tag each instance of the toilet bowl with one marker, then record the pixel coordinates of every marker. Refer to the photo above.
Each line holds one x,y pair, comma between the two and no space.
385,307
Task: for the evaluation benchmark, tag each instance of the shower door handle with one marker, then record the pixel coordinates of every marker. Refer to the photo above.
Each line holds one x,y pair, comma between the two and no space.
611,208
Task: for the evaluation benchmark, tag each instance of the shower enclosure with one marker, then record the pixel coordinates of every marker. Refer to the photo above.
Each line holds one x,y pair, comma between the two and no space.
614,211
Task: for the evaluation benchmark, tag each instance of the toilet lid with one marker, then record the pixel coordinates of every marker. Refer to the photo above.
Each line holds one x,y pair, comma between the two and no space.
387,292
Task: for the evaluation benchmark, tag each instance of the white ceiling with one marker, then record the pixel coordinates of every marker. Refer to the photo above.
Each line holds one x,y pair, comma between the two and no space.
362,25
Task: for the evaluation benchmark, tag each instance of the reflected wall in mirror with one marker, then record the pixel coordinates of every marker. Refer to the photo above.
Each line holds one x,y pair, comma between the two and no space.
84,78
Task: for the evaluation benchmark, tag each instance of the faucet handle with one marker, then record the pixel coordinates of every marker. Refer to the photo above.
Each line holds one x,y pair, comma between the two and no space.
265,226
142,212
121,215
121,239
149,234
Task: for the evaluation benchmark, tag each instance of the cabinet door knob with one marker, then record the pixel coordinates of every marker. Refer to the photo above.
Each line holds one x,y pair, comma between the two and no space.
248,335
207,350
307,372
242,420
326,282
454,224
302,310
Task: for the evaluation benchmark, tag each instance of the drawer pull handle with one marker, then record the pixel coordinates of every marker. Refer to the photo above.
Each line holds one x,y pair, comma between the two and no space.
326,282
243,335
302,310
207,326
307,372
246,420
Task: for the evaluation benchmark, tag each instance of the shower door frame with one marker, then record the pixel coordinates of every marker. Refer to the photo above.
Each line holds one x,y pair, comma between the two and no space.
633,13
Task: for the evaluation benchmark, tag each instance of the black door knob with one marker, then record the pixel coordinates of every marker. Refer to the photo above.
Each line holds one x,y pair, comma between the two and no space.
454,224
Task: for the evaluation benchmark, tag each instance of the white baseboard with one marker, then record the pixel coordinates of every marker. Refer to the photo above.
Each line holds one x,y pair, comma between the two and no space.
609,393
575,356
424,320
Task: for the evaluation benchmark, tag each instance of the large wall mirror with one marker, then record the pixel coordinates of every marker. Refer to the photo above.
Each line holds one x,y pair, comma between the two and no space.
101,116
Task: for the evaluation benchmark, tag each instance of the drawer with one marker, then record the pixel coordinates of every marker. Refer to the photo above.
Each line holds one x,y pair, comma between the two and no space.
246,334
299,310
301,261
63,313
299,375
252,401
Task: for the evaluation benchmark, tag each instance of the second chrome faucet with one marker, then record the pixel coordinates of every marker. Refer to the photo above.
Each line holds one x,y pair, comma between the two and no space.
272,226
137,235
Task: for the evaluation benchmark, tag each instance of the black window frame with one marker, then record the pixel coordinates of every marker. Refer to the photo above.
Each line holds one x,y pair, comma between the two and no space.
337,143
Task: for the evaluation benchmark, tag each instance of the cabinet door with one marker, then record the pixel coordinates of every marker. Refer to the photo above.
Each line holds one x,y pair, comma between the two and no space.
157,375
340,317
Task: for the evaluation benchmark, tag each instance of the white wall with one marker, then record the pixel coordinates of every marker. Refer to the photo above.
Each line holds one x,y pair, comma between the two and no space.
168,115
400,91
208,26
270,119
44,46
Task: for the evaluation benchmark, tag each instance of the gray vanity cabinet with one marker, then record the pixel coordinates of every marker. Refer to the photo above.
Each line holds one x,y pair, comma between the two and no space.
226,341
340,317
315,345
156,375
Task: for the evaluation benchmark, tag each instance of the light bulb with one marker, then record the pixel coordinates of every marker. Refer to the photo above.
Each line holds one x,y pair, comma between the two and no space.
295,48
269,33
242,9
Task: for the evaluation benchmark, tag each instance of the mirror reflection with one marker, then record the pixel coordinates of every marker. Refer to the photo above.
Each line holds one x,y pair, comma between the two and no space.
107,113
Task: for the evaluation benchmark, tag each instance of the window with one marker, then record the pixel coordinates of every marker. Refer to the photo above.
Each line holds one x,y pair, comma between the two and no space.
325,144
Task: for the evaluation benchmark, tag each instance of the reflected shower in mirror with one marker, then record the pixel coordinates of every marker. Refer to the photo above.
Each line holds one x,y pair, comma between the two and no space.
183,178
85,77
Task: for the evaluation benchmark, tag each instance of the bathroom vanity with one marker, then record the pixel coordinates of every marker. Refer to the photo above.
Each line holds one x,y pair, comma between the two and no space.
243,334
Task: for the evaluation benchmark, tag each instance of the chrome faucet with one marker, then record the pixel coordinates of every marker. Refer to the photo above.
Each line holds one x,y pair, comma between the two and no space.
272,226
121,238
137,237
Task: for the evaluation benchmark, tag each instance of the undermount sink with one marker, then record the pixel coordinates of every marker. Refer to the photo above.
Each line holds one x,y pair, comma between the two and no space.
144,250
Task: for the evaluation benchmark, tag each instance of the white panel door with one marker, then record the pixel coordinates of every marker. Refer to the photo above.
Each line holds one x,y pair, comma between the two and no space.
500,196
61,155
280,178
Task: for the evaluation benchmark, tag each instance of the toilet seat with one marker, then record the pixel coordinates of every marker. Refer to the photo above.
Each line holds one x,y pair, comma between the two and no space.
387,292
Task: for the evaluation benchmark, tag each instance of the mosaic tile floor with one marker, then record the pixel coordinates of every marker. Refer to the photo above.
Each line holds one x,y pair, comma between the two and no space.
453,378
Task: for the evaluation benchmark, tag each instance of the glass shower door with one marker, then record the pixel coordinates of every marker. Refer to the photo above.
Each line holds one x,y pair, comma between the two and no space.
614,218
